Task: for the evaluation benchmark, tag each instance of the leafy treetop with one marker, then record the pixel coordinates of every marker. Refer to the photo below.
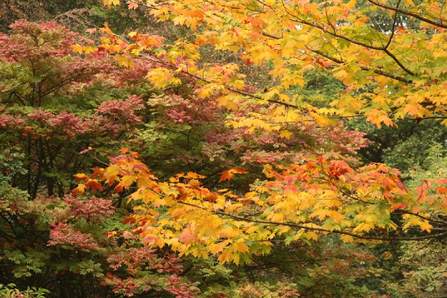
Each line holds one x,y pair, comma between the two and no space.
390,55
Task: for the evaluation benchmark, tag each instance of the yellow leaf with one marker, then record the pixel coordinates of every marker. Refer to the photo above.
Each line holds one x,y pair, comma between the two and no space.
240,247
111,171
426,226
311,235
124,60
226,256
112,234
252,229
285,134
79,190
347,238
218,247
236,258
89,49
110,3
364,227
205,92
179,20
162,77
377,117
228,103
229,232
133,34
322,213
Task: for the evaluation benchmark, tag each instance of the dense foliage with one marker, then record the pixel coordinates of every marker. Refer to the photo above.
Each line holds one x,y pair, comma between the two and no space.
223,149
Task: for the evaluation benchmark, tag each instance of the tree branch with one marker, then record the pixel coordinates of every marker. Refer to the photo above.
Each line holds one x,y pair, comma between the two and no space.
408,13
298,226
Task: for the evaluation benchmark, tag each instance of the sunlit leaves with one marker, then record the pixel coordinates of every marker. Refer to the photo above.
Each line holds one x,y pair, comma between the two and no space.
321,195
162,77
403,60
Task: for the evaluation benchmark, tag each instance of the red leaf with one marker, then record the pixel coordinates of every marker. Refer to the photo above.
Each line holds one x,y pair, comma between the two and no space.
129,220
442,190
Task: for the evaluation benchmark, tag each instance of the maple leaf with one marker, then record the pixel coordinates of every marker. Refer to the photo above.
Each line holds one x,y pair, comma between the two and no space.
186,237
228,103
228,175
77,48
285,134
413,110
94,184
442,190
125,61
81,177
226,256
110,3
132,5
80,189
107,29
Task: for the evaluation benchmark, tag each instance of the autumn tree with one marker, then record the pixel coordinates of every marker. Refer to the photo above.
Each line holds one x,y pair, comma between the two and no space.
62,112
321,193
344,37
64,108
54,105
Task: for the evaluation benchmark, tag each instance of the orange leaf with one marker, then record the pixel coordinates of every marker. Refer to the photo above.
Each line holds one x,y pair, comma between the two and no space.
129,220
442,190
239,171
94,184
118,188
107,29
212,197
413,109
77,48
81,177
112,234
226,175
132,5
398,206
